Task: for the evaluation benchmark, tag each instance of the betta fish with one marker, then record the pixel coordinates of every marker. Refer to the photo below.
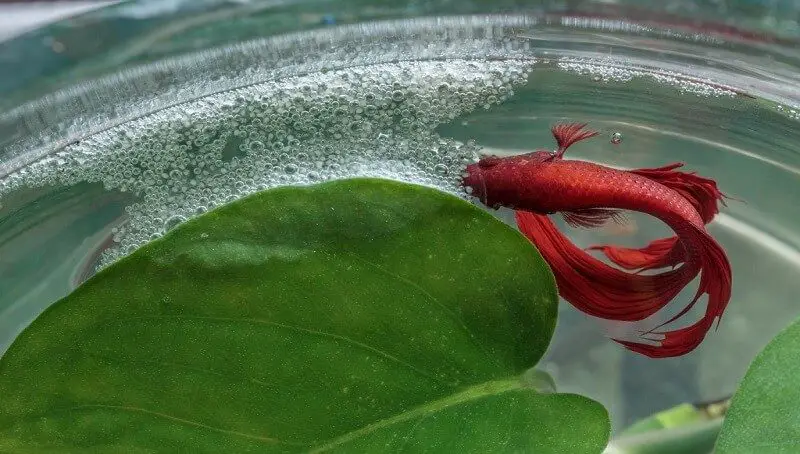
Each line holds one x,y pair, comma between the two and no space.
542,183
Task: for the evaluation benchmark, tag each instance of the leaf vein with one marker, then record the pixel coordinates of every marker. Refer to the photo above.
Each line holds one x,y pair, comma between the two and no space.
189,422
180,366
285,326
429,296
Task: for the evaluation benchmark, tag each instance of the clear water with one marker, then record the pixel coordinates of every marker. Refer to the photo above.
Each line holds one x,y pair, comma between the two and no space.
91,172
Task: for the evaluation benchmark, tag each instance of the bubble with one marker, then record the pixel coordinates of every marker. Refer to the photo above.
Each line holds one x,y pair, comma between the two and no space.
256,146
377,120
173,222
616,138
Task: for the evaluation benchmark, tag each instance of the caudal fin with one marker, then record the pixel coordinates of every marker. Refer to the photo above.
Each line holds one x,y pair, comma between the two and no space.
701,192
597,288
716,282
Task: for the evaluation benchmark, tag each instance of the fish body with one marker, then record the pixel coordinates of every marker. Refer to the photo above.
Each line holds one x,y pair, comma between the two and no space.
550,186
542,183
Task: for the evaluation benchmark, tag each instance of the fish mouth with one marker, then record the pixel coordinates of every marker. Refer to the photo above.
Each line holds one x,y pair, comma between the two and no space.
475,180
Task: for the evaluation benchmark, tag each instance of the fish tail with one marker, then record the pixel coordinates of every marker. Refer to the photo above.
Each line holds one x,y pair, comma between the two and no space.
600,290
567,134
595,287
661,253
715,281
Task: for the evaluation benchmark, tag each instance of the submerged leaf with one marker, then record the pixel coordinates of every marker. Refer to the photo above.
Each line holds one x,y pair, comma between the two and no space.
353,316
682,429
764,416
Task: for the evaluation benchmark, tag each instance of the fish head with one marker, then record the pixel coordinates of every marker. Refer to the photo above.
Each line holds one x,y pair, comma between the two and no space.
489,179
474,178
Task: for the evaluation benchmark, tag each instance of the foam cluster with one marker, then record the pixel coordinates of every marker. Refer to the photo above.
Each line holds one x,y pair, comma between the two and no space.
376,121
610,70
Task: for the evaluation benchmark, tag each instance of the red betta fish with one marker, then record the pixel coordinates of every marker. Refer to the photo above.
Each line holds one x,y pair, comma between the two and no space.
541,183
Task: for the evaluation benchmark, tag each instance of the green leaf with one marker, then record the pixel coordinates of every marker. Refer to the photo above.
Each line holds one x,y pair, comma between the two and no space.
764,416
694,438
352,316
679,415
682,429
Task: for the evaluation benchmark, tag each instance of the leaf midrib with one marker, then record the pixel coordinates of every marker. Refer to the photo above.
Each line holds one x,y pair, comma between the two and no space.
474,392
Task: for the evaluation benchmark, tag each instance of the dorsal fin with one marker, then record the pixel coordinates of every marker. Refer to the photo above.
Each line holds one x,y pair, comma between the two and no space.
567,134
701,192
592,217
